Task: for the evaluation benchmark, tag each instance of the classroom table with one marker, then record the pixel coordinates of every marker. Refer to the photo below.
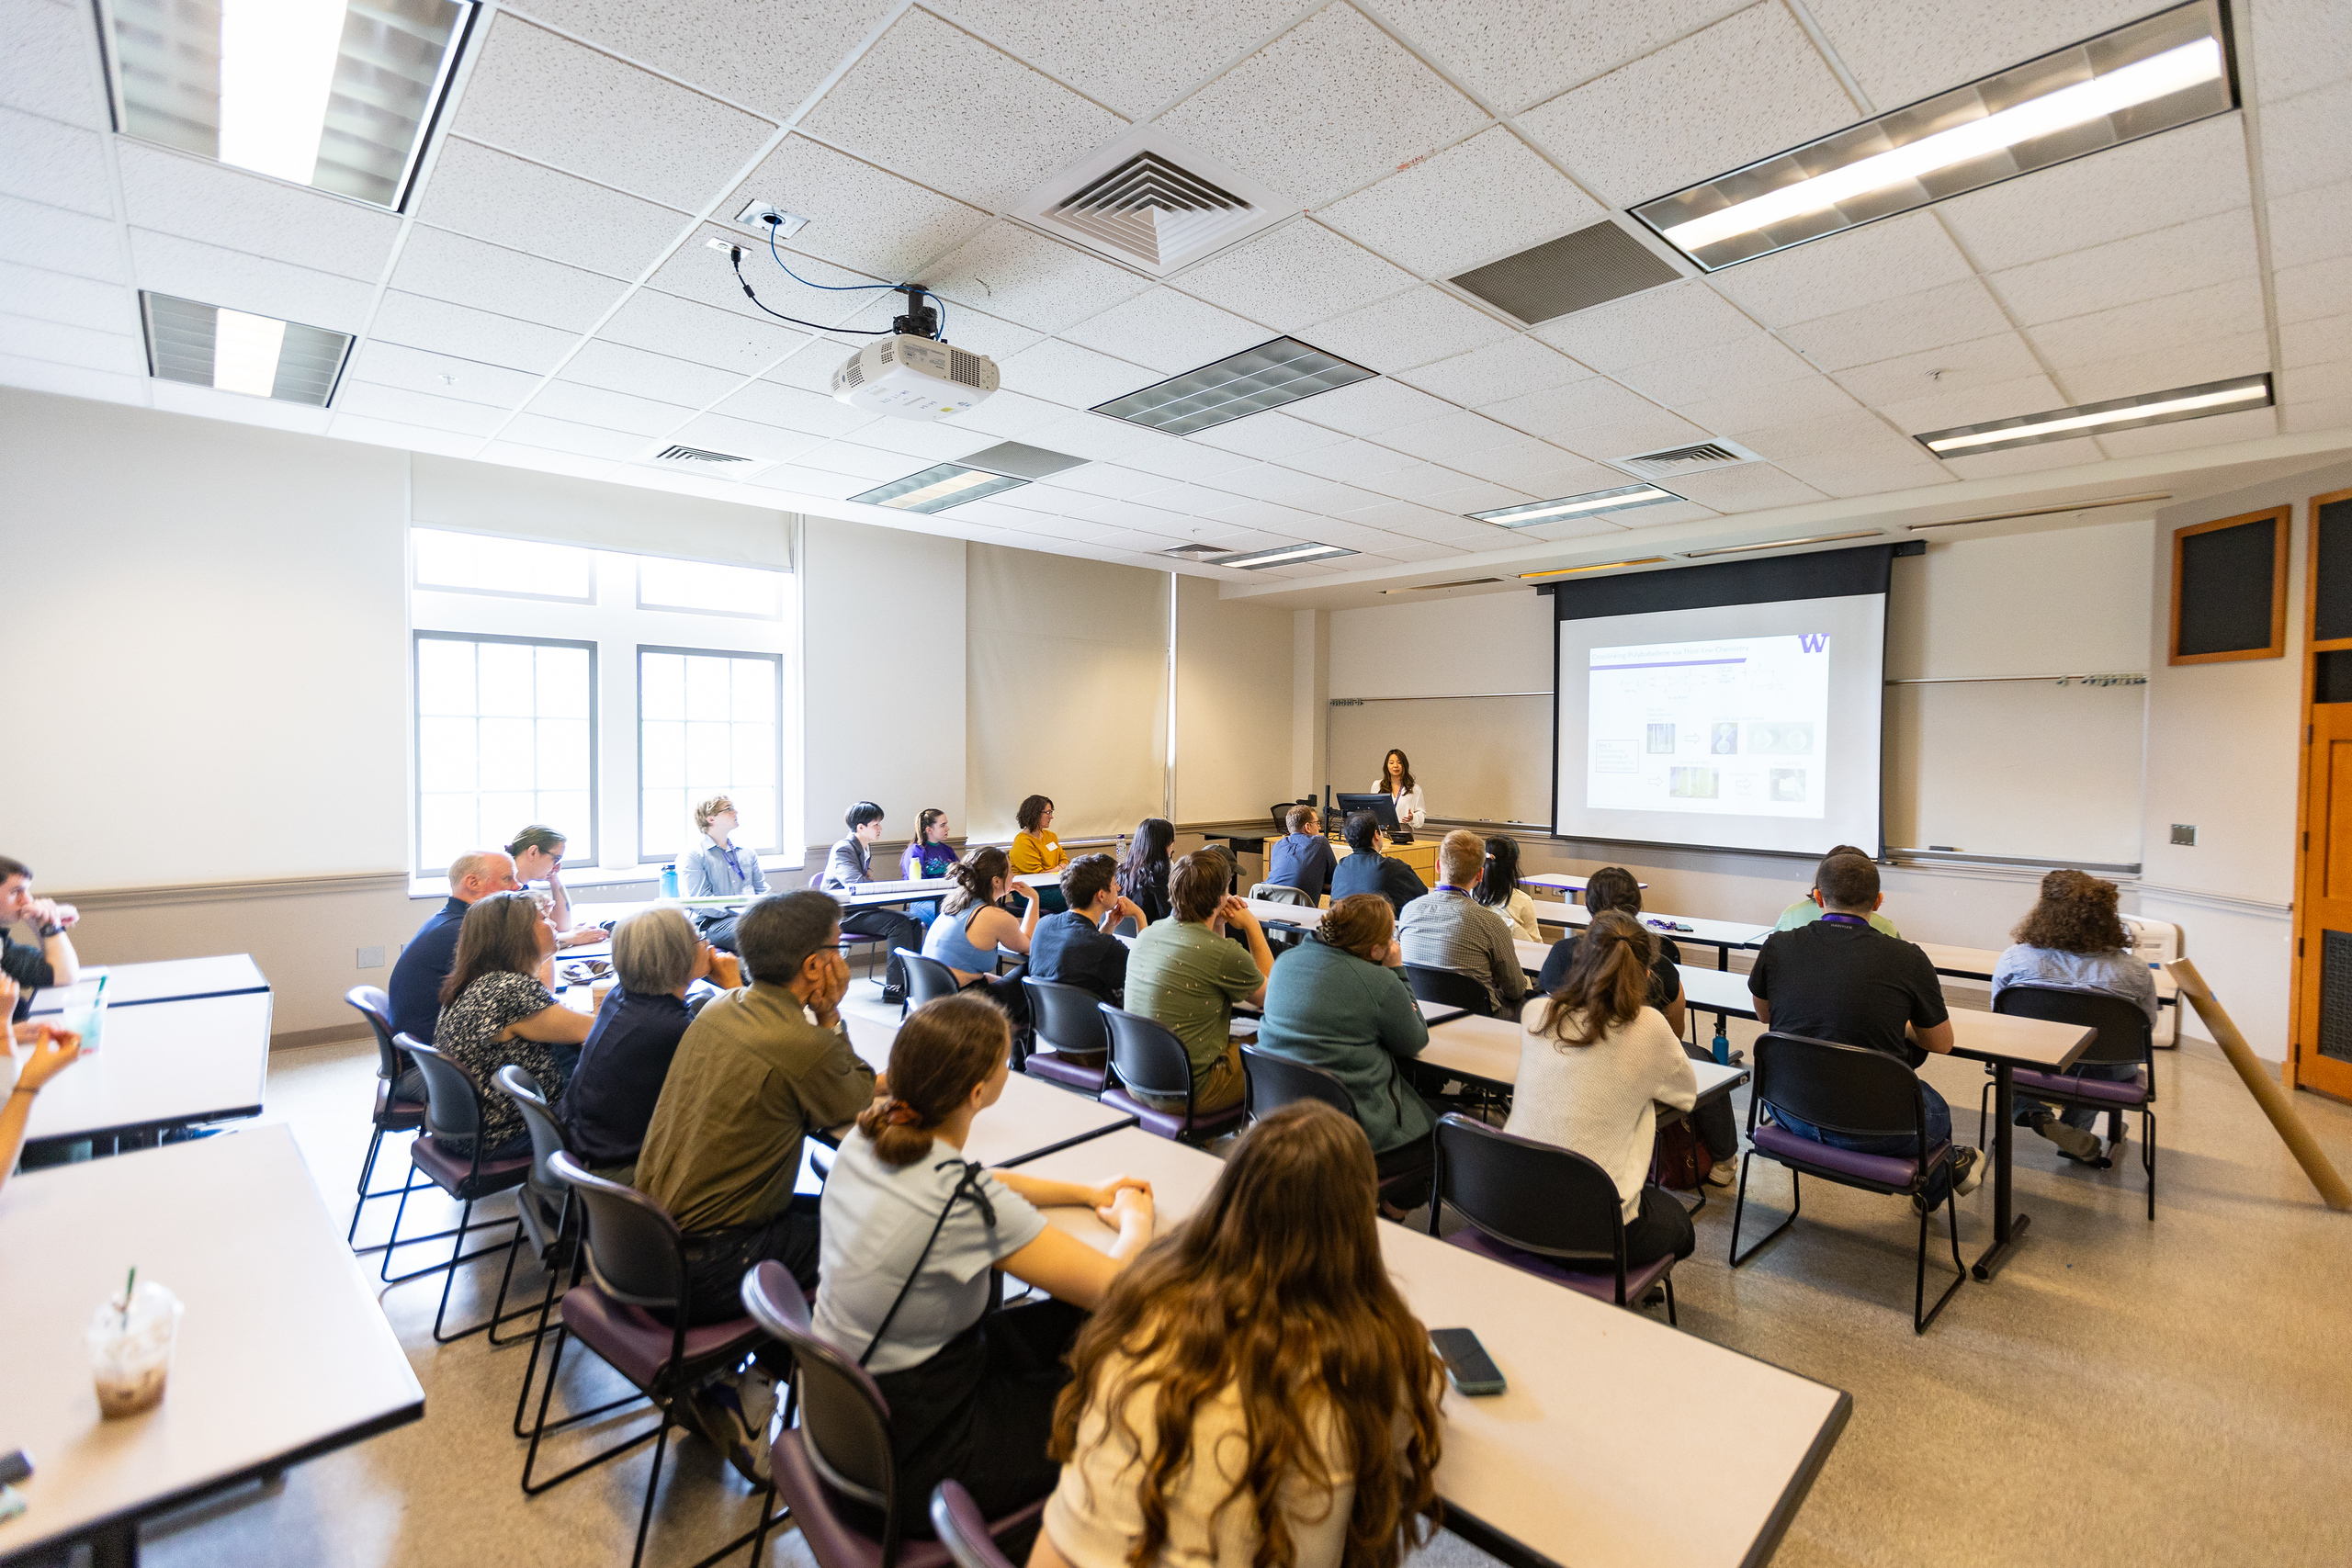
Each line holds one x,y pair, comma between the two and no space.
170,1064
282,1354
1473,1047
1978,963
1305,917
167,980
1725,936
1032,1118
1586,1459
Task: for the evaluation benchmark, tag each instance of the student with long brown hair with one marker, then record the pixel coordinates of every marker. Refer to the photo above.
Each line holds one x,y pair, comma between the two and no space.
910,1232
2073,939
1253,1390
1596,1060
971,928
496,1010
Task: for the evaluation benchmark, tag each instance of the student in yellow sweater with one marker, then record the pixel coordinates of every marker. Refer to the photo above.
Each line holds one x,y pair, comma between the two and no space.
1036,850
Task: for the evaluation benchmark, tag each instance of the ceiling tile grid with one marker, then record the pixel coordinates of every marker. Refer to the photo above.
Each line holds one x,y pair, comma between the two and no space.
1134,55
63,345
1292,276
1901,53
1500,195
387,364
510,201
1408,330
766,58
193,270
57,164
442,266
52,65
859,216
436,326
76,301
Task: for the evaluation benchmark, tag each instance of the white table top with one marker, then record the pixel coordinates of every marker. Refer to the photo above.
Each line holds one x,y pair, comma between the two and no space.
163,1065
1705,933
1983,1036
1487,1049
1586,1459
170,979
1032,1117
1306,917
1977,963
283,1353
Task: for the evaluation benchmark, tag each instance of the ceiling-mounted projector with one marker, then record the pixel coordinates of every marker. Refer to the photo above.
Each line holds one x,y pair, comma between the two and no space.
912,374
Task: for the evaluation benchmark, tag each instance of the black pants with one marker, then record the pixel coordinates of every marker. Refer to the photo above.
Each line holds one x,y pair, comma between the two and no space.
1662,1226
897,930
1715,1122
717,1260
1007,992
721,932
1406,1173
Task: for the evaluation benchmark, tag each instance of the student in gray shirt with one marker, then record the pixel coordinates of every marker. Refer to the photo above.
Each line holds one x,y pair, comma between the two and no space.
1449,928
847,868
2075,941
720,870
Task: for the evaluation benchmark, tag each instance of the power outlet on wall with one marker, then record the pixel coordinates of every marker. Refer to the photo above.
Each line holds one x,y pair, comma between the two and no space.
371,958
2185,833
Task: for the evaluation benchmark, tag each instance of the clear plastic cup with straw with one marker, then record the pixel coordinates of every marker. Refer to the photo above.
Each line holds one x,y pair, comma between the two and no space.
88,1021
129,1340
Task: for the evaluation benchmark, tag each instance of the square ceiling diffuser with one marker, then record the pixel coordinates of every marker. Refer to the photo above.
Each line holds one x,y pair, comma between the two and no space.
1252,382
1151,203
262,357
938,488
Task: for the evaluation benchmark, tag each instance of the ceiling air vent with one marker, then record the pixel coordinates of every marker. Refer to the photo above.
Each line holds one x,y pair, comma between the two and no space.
1194,552
693,454
1673,462
1573,273
701,461
1151,202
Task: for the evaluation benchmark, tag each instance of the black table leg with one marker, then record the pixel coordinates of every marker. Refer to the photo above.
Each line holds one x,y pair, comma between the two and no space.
2007,1226
115,1545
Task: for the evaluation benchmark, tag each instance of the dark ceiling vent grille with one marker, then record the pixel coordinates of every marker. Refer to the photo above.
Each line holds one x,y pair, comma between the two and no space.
695,455
1191,551
1572,273
1668,461
1152,203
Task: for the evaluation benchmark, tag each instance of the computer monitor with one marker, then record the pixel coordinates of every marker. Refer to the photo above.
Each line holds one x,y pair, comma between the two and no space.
1381,805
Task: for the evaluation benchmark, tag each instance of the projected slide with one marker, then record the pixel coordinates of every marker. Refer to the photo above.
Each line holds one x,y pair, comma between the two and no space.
1727,727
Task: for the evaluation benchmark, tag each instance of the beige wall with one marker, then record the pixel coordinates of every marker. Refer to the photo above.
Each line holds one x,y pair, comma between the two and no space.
1235,666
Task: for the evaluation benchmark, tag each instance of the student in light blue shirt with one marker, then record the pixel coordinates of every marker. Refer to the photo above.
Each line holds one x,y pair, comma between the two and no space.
2075,941
720,870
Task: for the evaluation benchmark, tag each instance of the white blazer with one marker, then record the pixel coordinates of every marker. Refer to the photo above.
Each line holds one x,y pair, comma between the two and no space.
1410,811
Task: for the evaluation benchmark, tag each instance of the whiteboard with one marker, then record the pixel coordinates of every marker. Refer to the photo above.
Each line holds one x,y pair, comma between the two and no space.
1477,759
2027,770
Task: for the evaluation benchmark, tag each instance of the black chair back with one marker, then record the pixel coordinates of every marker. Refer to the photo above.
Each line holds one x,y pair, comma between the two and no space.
1841,1089
2123,1029
1066,1017
452,1094
927,979
843,1416
1446,986
1535,1196
1270,1082
963,1530
1280,811
635,1253
376,1008
544,1192
1147,1055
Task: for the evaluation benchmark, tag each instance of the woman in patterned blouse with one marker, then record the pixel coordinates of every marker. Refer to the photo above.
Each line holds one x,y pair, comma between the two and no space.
496,1010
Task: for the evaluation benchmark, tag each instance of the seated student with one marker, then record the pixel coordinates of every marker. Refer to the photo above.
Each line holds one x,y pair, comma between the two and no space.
496,1010
53,1051
53,963
1614,887
1595,1062
415,984
1497,888
539,857
718,869
1186,975
1339,1002
627,1056
2073,941
1253,1388
1370,869
1450,930
927,857
1304,860
1837,978
1807,910
1143,874
851,864
1075,947
910,1235
972,926
1035,850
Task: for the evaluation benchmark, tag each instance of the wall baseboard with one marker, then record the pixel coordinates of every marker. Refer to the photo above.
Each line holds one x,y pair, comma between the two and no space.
334,1034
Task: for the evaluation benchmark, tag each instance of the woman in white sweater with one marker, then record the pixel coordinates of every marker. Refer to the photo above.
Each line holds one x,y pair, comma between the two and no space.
1595,1062
1396,781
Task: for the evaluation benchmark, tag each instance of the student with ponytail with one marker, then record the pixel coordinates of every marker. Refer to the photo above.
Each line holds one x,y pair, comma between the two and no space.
1596,1060
971,928
910,1234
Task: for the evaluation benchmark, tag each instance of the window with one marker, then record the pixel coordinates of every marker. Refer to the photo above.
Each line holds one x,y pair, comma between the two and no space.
601,692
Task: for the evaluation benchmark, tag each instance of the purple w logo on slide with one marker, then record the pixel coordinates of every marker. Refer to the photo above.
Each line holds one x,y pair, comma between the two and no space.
1814,642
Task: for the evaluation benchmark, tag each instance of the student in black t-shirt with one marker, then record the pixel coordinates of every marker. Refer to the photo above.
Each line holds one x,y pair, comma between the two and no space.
1075,947
1837,979
1370,869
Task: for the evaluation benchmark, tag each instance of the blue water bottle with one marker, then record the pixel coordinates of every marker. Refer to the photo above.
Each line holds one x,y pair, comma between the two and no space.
670,880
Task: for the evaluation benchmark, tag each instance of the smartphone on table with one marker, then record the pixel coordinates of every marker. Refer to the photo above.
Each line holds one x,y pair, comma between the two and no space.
1467,1365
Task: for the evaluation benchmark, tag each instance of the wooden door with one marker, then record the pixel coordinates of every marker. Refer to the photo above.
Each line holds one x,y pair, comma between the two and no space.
2322,1058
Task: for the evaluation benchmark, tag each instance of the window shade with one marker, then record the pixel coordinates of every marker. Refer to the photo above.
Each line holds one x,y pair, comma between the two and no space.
485,497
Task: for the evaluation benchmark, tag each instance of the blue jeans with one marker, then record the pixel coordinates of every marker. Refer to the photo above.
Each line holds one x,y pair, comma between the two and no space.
2030,1112
1899,1144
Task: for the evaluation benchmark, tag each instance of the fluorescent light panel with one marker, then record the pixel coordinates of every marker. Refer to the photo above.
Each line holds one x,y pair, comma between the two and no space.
2093,419
1779,544
335,97
1256,379
1285,555
1585,505
1596,566
938,488
2151,75
232,350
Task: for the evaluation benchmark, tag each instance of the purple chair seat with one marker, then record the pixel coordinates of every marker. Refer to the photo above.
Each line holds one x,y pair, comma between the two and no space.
453,1173
1170,1124
636,1343
832,1542
2109,1092
1885,1170
1057,1067
1600,1287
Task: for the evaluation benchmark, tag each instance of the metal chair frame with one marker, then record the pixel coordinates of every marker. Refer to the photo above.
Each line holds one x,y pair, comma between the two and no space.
2087,1008
376,1006
469,1124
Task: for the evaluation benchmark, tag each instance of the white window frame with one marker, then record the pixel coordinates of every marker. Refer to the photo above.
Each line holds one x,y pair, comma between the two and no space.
416,717
769,854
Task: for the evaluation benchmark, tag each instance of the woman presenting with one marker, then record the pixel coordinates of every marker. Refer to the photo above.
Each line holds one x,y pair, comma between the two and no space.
1396,784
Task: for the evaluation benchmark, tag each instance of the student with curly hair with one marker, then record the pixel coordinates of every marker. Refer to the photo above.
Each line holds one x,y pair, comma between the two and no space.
2073,941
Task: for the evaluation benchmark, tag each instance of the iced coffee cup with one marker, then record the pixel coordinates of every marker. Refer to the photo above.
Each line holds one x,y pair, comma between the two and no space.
131,1348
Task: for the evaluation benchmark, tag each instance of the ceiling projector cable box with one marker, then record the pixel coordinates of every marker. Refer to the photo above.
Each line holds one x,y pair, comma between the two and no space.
914,377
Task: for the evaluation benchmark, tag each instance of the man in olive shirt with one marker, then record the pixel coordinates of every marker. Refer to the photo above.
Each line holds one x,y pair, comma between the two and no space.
1187,974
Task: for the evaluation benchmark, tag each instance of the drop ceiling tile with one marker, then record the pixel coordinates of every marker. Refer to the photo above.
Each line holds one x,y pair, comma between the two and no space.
873,466
1009,416
2028,459
1517,52
1511,368
1812,397
1904,53
1191,499
1414,481
967,329
1942,405
2323,415
2313,383
493,196
586,113
76,301
2146,266
1170,333
1008,270
1752,488
1355,462
1079,377
1312,492
199,199
450,267
1411,552
1737,367
2313,291
52,69
2318,341
405,407
696,272
27,338
1838,272
1573,528
1409,328
1860,436
58,241
1133,55
923,441
1102,439
1625,437
609,410
790,408
551,460
1742,89
60,165
2199,314
206,402
619,369
442,376
859,216
1563,475
1410,519
581,440
1573,407
1489,196
1109,482
1272,436
1367,408
402,438
438,327
1952,312
663,323
768,58
811,482
888,108
1845,478
1665,516
1189,460
1294,275
2002,357
2246,424
212,275
1478,496
2159,182
1680,318
2299,45
2312,225
1287,521
1098,508
1451,438
1331,104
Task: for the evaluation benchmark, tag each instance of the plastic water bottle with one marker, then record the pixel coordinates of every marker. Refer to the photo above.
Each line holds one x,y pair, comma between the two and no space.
1721,1046
670,880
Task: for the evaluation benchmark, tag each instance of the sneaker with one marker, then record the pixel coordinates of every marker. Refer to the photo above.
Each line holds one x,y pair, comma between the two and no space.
1968,1170
2076,1143
1723,1173
725,1422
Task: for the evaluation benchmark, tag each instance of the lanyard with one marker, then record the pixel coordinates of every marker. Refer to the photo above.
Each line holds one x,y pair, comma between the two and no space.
1847,920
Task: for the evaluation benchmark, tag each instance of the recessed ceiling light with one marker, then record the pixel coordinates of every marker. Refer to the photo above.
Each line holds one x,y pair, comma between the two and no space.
258,356
1596,566
2152,74
1433,587
938,488
1285,555
1584,505
2043,511
1781,544
1252,382
335,97
2092,419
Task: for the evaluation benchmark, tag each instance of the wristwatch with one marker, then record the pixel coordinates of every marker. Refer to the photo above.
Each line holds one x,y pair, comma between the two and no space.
52,928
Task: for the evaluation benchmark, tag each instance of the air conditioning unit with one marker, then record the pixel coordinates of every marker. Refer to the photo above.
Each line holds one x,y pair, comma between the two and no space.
2155,943
914,377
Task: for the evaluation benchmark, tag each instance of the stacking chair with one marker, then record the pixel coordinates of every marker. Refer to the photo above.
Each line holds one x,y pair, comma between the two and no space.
873,944
963,1530
1541,1209
1855,1090
637,1261
544,1204
1147,1055
2124,1037
1066,1020
1281,893
1270,1082
453,1110
837,1467
1446,986
927,979
390,1116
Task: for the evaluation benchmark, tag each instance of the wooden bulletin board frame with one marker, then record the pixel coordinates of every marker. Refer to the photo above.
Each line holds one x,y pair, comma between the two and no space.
2281,518
2310,583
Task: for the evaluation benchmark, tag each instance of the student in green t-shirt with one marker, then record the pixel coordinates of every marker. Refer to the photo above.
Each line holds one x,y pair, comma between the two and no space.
1186,974
1807,910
